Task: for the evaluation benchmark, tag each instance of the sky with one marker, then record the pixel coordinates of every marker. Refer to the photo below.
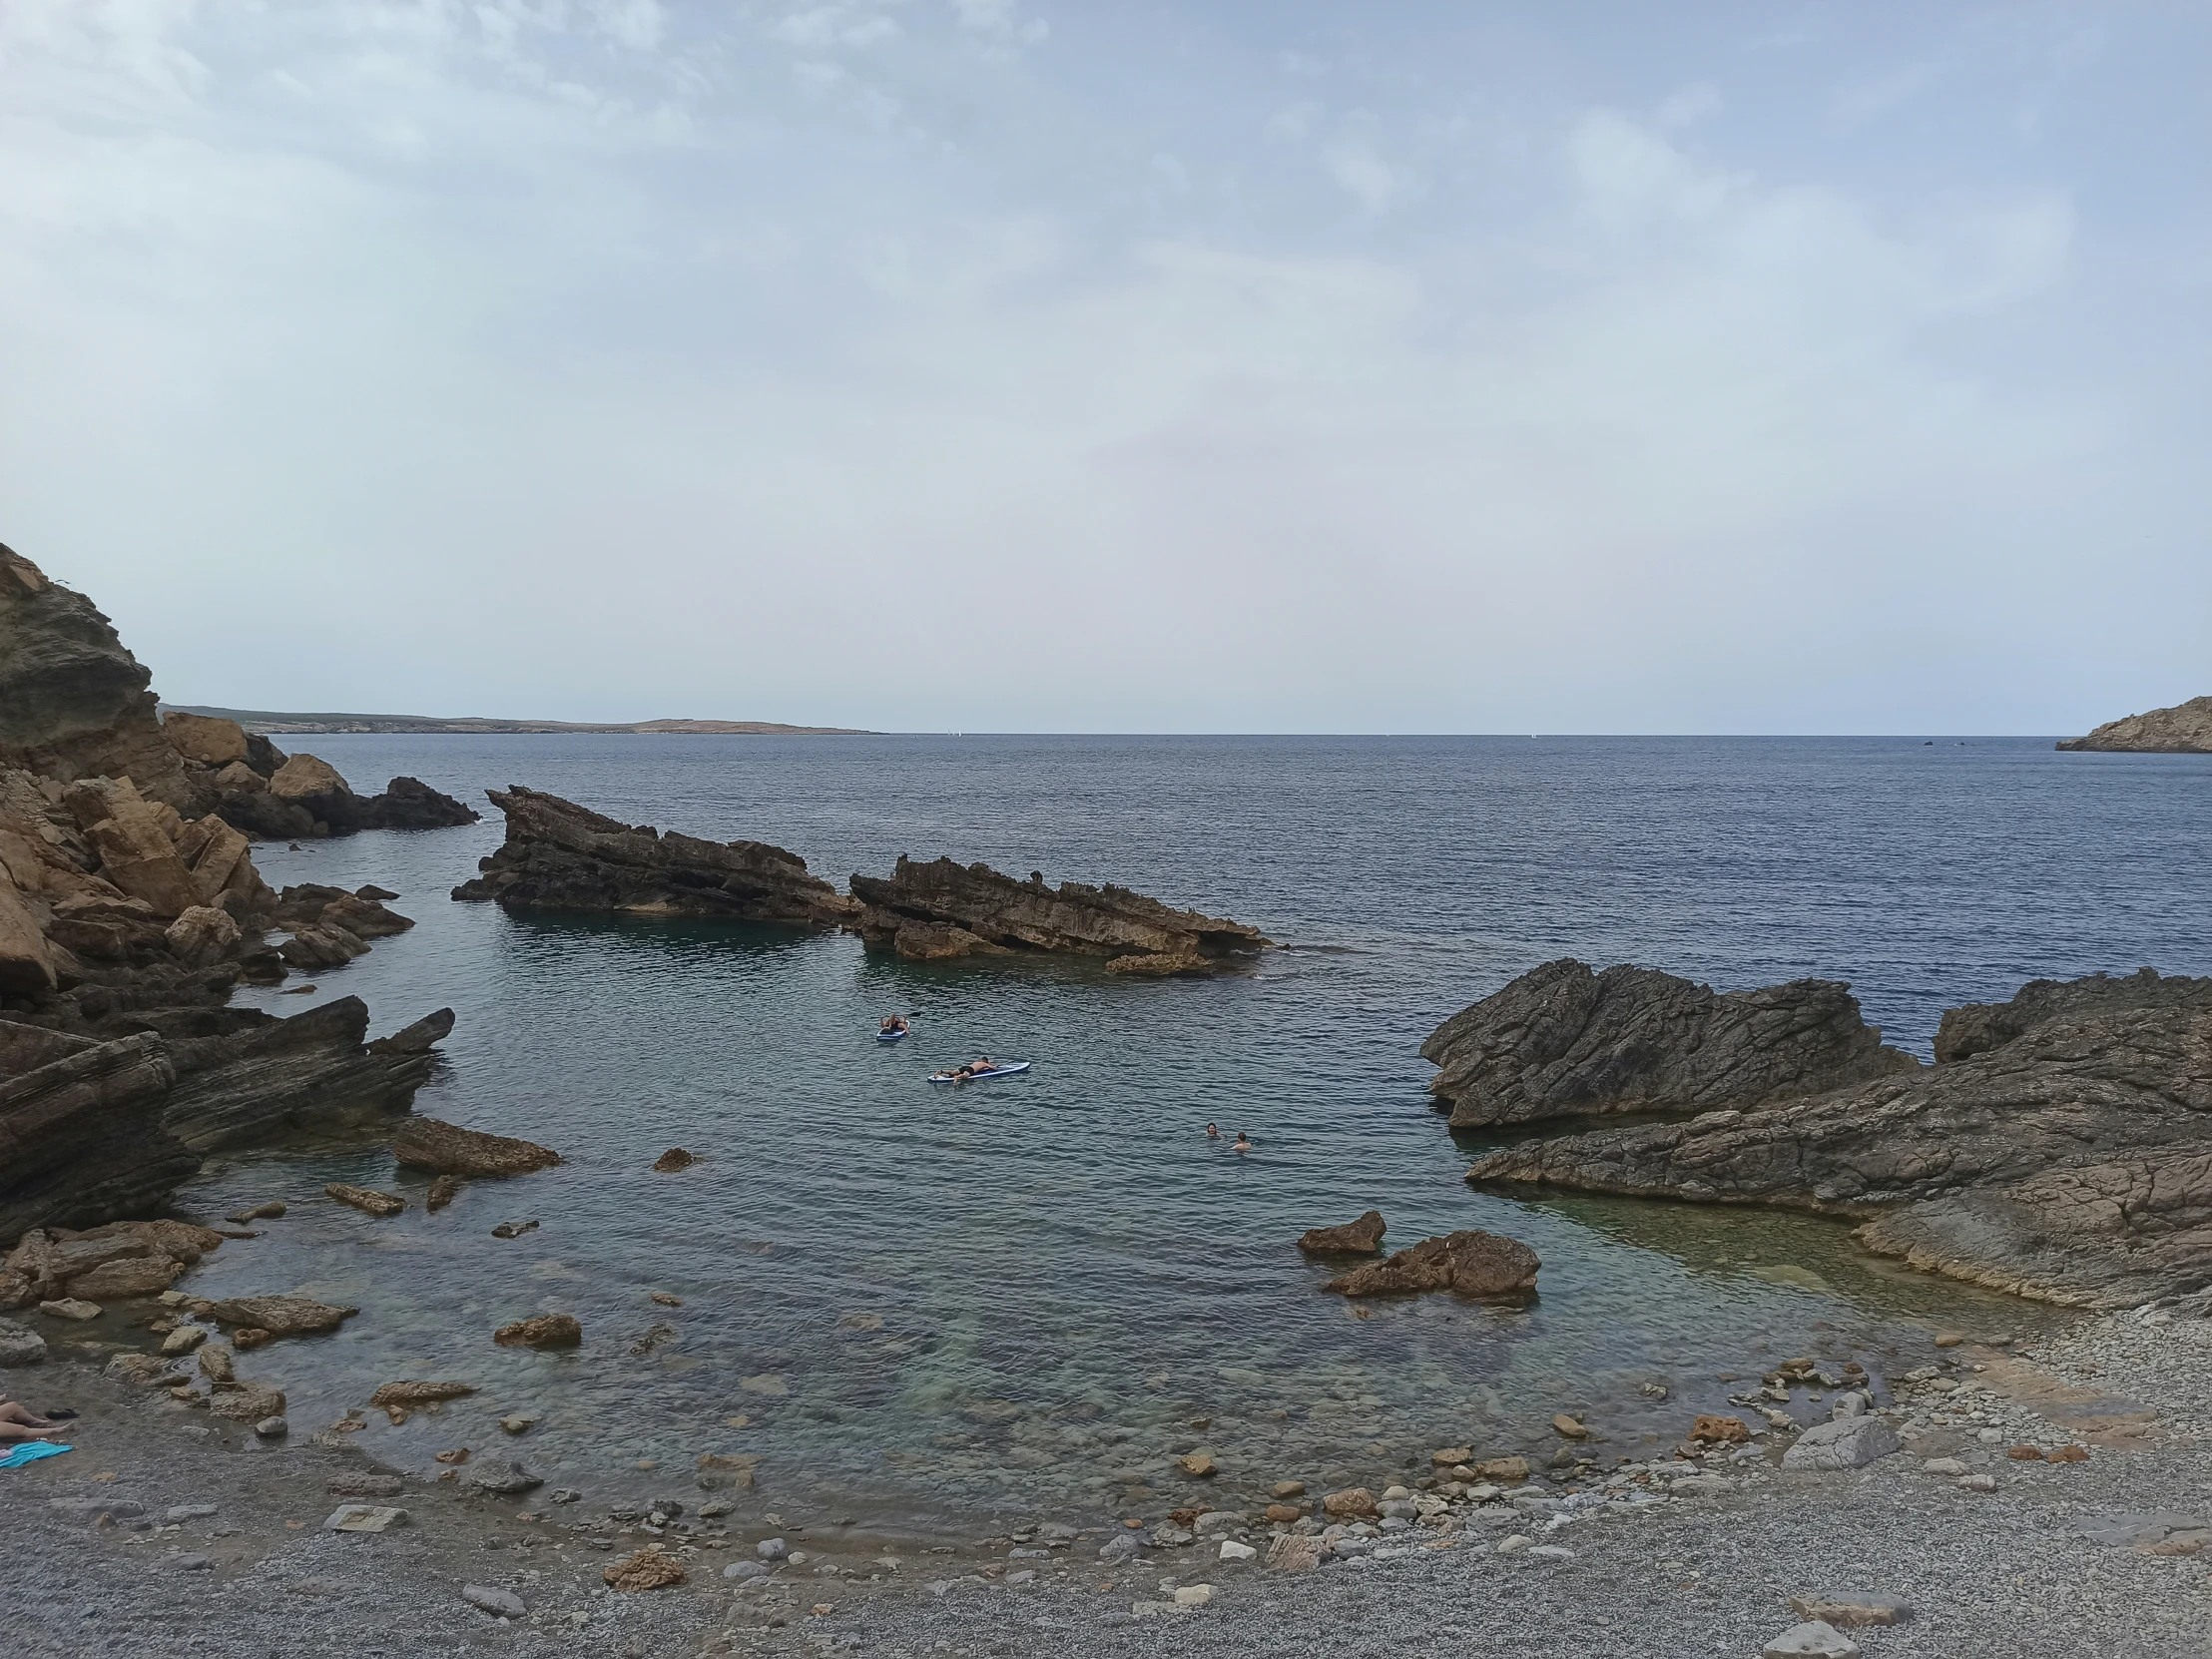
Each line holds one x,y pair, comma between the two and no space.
1233,365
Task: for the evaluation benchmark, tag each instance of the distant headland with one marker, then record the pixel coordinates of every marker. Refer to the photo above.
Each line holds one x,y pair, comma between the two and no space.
2185,728
296,725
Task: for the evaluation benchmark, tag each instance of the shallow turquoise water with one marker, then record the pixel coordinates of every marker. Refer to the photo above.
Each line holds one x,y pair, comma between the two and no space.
1030,1295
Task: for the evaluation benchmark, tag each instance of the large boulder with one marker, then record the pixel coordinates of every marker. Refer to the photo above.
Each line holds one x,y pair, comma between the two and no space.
410,803
944,909
1363,1237
1977,1027
562,856
2185,728
81,1140
26,960
1472,1263
1564,1040
2072,1162
205,738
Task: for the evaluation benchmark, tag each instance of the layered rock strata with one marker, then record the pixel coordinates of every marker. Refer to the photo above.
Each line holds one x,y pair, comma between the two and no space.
2070,1162
562,856
2185,729
1564,1040
1485,1266
943,909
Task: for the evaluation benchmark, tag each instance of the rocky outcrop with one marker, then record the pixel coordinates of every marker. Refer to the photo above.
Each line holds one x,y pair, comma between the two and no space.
945,908
410,803
2072,1161
1471,1264
313,1071
112,1263
81,1136
1564,1040
562,856
73,701
1363,1237
448,1149
2185,728
275,795
1978,1027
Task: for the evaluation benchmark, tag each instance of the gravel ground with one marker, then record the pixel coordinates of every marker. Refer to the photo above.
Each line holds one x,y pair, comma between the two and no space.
1998,1573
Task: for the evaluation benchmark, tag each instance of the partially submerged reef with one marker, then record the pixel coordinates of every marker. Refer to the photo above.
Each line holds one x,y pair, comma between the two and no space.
2061,1147
560,856
130,909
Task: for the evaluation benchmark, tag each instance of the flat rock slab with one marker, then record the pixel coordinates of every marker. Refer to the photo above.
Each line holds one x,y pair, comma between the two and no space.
363,1518
2157,1530
1844,1443
489,1598
1851,1609
1815,1639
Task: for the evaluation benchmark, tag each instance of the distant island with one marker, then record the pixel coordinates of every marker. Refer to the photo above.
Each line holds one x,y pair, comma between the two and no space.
2185,728
269,722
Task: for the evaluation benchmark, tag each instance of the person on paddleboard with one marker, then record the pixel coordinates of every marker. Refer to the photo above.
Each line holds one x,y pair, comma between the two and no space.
893,1022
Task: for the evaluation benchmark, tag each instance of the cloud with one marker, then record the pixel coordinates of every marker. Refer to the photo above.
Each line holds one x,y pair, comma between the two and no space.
823,27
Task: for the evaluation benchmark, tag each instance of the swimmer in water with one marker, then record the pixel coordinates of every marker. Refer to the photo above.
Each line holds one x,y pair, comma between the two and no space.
1243,1142
1212,1132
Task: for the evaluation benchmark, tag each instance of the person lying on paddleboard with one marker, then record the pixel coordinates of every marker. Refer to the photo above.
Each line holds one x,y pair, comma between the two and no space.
893,1022
976,1067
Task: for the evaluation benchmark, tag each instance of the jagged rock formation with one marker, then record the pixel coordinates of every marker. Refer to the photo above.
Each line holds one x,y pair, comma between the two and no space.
562,856
2071,1162
81,1136
2185,728
311,1071
951,910
1563,1040
449,1149
73,701
101,1263
1978,1027
1363,1237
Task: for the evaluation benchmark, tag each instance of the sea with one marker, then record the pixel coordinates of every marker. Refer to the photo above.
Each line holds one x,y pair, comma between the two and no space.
927,1311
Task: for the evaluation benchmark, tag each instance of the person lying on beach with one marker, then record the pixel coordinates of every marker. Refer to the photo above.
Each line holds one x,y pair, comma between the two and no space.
20,1424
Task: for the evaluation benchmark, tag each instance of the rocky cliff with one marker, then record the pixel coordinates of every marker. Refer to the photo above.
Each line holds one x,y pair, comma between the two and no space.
951,910
2185,728
562,856
1564,1040
2071,1161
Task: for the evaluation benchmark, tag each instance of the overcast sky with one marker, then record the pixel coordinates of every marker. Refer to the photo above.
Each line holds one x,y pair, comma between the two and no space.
1032,366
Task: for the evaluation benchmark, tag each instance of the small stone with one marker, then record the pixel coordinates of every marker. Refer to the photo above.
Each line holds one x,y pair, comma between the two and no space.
366,1198
1815,1639
506,1480
2027,1454
1715,1431
1949,1339
1450,1455
2071,1455
517,1424
674,1159
746,1569
1230,1550
512,1229
363,1518
1288,1489
1355,1501
1285,1513
1122,1546
1503,1468
1515,1544
648,1569
247,1336
1570,1427
458,1456
20,1345
1193,1595
179,1513
184,1338
420,1394
259,1211
771,1549
91,1508
1977,1483
70,1308
1850,1609
1196,1463
442,1192
272,1428
566,1495
1945,1465
489,1598
189,1563
666,1299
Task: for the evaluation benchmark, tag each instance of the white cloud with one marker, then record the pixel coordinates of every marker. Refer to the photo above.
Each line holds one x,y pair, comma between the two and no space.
823,27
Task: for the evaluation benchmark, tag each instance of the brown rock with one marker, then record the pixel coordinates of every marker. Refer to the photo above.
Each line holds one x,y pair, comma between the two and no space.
1503,1468
1293,1553
362,1198
1288,1489
674,1159
541,1331
649,1569
279,1316
26,960
512,1229
420,1394
1196,1463
205,738
259,1211
137,855
1470,1262
248,1402
2071,1455
442,1192
133,1276
1451,1457
1356,1502
251,1336
1285,1513
217,1363
446,1149
452,1458
1569,1427
1716,1431
304,777
203,935
1355,1238
2027,1454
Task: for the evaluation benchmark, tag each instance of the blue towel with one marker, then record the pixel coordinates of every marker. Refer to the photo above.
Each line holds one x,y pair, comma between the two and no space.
30,1452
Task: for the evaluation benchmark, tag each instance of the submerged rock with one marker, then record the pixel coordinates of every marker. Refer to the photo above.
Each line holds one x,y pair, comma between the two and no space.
944,909
542,1331
1470,1262
282,1316
562,856
362,1198
2185,729
1564,1040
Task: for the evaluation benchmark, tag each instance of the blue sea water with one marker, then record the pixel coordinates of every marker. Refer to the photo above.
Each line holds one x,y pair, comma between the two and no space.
924,1305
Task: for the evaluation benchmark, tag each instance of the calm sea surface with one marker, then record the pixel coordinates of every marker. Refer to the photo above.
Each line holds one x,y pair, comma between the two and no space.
920,1306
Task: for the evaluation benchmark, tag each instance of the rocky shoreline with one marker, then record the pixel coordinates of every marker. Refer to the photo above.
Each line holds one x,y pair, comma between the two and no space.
2185,728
